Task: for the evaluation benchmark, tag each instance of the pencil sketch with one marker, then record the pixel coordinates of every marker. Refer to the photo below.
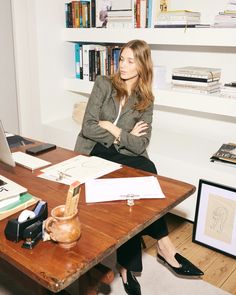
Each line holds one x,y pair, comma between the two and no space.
220,218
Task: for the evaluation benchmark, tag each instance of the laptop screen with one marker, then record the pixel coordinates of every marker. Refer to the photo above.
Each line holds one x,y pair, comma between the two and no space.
5,153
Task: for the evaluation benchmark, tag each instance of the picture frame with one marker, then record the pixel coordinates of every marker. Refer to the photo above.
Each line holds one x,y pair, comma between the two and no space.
215,217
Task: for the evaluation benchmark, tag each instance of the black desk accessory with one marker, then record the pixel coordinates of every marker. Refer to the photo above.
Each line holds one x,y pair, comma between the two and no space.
16,231
39,149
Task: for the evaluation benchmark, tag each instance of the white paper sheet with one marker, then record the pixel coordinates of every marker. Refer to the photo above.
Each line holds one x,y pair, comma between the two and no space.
114,189
29,161
79,168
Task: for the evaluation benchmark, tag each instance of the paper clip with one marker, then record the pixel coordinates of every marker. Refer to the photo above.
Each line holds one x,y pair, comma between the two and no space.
62,175
130,199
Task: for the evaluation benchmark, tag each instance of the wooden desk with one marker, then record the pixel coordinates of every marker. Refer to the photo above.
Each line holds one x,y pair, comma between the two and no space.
105,226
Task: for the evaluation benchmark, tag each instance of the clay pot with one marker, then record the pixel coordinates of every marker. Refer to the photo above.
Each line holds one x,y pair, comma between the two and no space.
64,230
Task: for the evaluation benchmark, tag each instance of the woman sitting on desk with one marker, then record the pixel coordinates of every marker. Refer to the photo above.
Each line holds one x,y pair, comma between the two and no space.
117,126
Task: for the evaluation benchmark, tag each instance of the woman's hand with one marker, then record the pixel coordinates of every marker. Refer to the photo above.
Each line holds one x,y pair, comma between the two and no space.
110,127
139,128
105,124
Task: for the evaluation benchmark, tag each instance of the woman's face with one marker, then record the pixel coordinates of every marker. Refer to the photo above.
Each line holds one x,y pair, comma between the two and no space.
128,66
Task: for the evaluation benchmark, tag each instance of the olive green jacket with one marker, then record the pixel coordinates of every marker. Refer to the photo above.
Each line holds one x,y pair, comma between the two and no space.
103,106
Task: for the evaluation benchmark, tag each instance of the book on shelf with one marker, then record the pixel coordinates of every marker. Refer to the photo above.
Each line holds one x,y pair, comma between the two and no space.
85,49
229,90
185,82
77,60
197,72
178,17
231,85
104,6
168,13
195,90
226,154
93,13
192,78
175,26
210,88
120,19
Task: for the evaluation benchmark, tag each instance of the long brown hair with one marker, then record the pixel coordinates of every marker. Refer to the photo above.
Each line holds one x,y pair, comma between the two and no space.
143,86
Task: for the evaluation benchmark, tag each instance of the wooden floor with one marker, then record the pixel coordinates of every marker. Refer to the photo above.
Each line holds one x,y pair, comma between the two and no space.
219,269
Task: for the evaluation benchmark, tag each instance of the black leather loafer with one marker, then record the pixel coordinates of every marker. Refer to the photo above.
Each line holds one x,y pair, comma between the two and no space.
132,286
186,267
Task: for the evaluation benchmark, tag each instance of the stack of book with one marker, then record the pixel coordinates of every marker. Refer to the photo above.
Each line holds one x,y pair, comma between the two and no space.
196,79
229,90
227,18
225,154
178,18
120,19
116,12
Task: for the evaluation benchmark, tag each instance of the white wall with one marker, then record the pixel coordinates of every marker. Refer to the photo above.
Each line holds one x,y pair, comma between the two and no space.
8,101
42,61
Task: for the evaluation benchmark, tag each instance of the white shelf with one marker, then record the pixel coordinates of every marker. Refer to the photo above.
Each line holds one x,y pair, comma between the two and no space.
178,36
182,100
77,85
211,104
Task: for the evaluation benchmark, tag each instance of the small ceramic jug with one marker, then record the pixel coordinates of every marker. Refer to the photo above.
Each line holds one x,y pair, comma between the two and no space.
65,230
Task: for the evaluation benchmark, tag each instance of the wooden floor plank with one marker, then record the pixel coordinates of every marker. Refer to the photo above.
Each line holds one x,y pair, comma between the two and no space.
219,269
230,284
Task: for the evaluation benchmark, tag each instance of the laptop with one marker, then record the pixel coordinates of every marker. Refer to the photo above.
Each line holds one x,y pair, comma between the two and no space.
5,153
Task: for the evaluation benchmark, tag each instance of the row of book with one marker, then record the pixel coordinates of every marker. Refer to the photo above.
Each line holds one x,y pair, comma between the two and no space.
92,60
113,14
196,79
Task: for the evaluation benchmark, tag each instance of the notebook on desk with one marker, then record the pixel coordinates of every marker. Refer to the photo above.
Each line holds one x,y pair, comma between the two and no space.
28,161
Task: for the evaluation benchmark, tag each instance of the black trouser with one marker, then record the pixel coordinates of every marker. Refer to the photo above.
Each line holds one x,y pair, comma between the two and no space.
129,255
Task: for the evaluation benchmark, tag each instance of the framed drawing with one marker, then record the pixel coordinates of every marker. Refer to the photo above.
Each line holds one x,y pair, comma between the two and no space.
215,217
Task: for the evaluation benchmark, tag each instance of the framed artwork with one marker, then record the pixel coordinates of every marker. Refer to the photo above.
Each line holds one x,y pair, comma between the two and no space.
215,217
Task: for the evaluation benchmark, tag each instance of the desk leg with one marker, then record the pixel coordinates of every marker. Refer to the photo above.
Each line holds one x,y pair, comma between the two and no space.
90,282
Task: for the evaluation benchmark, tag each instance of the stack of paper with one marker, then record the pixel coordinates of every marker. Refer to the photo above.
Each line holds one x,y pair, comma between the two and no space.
28,161
116,189
9,191
79,168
